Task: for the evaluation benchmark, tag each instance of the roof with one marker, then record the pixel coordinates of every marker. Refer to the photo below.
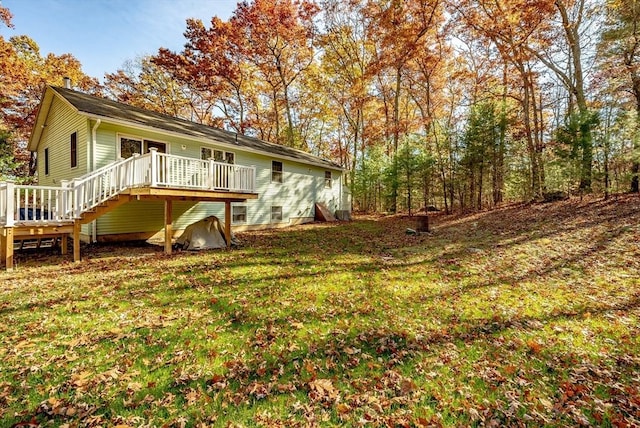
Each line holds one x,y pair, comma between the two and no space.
112,111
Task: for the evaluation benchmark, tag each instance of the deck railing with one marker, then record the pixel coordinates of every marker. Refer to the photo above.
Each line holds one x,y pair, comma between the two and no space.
47,204
176,171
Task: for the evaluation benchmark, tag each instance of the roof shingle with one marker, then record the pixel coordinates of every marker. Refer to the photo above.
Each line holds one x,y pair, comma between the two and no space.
108,109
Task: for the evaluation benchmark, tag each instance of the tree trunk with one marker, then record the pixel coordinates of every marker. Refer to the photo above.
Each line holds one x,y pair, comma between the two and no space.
396,137
536,185
577,87
635,165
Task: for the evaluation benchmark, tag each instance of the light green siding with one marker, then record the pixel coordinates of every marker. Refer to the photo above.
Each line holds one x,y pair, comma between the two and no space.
303,185
62,121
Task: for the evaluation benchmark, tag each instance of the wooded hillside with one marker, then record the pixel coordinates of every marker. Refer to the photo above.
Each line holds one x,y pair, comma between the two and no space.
461,104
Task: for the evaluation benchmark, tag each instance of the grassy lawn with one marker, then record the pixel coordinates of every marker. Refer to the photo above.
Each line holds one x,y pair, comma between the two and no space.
525,315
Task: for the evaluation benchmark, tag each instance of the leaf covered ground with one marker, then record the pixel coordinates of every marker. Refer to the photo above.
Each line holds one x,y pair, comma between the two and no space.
522,316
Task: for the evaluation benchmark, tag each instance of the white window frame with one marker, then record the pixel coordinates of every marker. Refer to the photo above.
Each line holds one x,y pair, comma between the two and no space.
143,143
277,220
281,171
234,214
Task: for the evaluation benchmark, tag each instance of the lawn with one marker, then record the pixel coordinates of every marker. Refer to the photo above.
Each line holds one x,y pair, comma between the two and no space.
526,315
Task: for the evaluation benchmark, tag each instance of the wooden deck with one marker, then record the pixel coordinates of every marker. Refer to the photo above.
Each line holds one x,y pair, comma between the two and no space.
47,211
30,229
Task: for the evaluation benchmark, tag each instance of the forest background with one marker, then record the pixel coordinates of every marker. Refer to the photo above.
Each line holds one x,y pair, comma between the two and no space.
457,104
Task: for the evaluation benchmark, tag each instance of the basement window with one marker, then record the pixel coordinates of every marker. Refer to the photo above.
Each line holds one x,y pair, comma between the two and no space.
276,214
239,214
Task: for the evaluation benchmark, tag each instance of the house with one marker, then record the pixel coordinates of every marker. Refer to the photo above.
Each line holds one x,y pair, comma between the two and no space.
108,171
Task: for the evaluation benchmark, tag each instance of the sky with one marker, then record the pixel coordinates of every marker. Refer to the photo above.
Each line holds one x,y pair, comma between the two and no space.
104,34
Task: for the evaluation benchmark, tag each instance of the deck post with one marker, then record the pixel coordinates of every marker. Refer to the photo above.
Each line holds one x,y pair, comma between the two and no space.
132,178
212,174
10,205
64,244
168,231
227,222
76,240
7,247
64,205
154,166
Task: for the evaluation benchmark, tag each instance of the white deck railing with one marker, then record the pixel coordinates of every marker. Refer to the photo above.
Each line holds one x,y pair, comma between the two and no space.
47,204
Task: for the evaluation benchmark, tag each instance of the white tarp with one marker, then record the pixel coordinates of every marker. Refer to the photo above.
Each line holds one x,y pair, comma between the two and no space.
205,234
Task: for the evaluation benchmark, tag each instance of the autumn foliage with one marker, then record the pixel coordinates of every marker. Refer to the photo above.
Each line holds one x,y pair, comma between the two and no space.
460,105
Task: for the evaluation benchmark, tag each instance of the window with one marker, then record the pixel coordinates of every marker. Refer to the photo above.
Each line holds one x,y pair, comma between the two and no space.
230,158
276,214
239,214
131,145
327,179
74,150
207,153
276,172
148,145
46,161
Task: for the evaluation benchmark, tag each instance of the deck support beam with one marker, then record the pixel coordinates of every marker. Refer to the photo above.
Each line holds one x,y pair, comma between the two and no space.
7,247
168,220
76,240
227,223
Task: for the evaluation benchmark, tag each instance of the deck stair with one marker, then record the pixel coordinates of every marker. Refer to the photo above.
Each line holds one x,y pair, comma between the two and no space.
103,207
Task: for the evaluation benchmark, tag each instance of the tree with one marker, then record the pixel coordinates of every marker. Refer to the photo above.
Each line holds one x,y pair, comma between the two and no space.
513,27
213,66
566,63
279,37
24,73
143,84
620,47
346,61
399,28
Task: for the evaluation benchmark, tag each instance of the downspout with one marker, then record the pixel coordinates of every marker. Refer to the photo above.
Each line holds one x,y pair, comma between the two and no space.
94,223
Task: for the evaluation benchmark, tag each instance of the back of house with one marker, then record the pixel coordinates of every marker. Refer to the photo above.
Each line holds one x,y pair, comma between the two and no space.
77,135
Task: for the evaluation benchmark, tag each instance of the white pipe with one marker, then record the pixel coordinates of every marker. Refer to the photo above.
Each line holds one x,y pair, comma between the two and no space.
94,223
